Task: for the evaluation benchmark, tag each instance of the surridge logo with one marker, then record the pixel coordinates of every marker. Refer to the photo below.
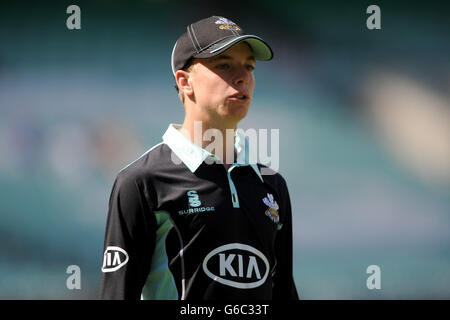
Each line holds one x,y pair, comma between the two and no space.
237,265
194,204
194,200
114,258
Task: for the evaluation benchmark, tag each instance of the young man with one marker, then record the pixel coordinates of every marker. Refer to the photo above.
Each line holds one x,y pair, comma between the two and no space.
186,223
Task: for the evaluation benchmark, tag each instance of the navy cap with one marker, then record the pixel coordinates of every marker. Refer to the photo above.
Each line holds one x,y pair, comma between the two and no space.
210,37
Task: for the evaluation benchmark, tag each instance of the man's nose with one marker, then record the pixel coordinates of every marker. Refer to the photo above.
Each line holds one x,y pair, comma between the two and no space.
242,76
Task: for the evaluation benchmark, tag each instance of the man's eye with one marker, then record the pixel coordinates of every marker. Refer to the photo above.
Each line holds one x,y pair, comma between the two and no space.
223,66
250,67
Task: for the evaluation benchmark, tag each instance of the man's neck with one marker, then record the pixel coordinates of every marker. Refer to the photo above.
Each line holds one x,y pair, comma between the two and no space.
215,138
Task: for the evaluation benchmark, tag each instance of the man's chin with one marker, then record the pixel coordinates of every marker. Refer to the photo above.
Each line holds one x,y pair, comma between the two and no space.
235,117
237,111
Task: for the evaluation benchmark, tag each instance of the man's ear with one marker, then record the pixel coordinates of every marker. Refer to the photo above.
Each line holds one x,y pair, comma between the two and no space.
184,82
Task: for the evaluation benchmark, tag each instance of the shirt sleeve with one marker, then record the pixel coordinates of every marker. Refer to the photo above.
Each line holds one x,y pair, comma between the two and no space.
284,285
129,240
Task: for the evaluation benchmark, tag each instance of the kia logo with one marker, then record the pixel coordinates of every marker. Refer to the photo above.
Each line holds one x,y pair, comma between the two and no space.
114,258
237,265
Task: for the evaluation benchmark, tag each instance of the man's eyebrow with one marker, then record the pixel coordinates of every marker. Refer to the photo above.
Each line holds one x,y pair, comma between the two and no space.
226,57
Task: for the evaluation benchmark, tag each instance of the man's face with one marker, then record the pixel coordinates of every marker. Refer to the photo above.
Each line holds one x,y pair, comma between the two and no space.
223,85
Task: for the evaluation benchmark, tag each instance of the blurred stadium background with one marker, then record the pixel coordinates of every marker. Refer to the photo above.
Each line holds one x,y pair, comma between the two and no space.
364,120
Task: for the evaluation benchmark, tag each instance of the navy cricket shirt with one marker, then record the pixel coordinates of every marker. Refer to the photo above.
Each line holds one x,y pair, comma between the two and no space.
183,227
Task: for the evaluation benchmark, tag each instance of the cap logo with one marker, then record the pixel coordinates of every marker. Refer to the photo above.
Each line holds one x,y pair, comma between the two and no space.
226,24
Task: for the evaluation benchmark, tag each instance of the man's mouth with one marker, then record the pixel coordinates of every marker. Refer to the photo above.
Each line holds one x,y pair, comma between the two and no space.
241,97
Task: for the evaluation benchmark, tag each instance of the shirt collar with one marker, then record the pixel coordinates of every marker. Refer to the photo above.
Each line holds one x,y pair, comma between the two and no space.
193,156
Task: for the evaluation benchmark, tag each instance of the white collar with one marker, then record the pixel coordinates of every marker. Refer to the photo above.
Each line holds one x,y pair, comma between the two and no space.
193,156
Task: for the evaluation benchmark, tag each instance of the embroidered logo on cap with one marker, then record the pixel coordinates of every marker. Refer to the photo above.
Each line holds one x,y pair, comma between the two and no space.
226,24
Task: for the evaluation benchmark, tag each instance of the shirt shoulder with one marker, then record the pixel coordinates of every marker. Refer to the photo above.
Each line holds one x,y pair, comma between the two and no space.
149,162
272,177
138,179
